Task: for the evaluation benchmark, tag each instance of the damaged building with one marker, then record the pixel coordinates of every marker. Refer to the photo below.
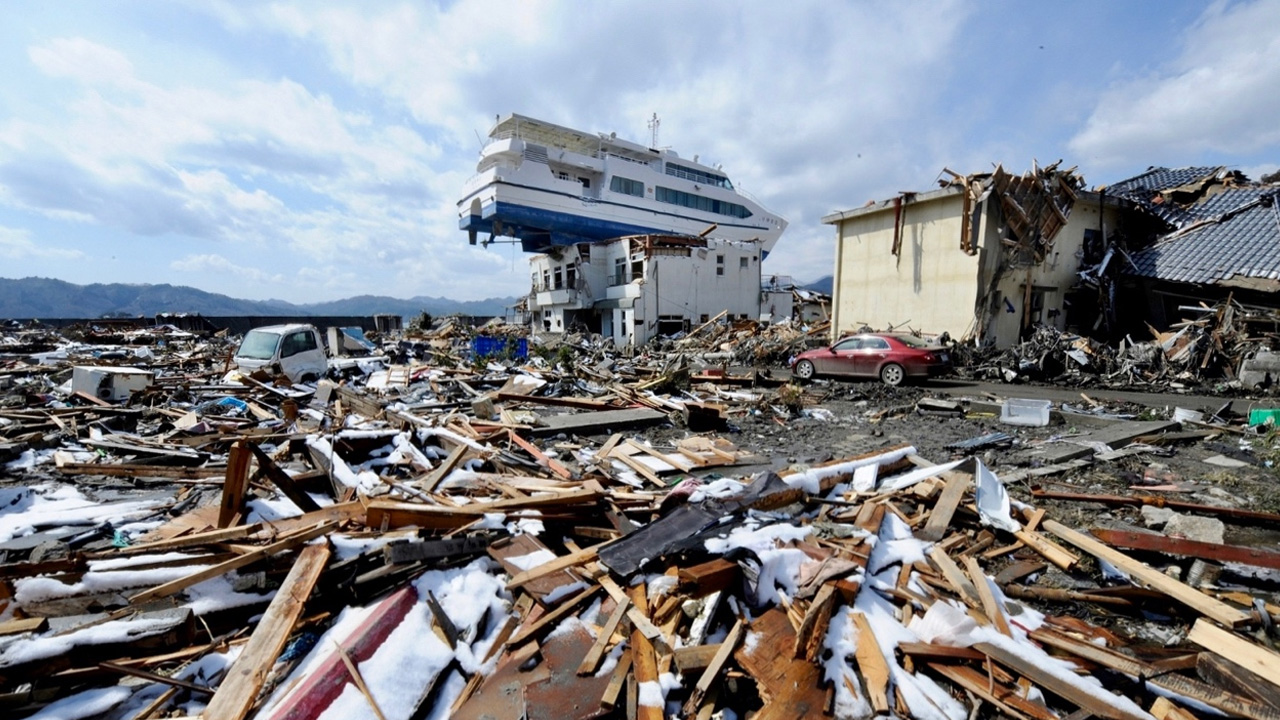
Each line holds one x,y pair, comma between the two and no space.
635,288
986,258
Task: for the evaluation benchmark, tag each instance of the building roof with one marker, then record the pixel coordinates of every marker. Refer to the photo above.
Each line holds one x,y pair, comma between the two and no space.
1234,233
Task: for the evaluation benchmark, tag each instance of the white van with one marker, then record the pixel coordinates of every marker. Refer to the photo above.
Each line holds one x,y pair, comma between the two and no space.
296,351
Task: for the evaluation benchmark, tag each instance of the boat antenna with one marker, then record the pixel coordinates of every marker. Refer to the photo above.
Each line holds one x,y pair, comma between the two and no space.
654,122
478,139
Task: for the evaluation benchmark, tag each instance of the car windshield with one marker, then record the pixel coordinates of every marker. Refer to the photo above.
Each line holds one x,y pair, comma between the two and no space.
258,345
912,341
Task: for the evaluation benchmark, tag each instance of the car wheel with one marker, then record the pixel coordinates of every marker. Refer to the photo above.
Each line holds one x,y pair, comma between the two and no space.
804,370
892,374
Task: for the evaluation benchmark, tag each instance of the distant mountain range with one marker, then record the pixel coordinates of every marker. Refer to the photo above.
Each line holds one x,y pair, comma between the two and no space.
822,285
28,298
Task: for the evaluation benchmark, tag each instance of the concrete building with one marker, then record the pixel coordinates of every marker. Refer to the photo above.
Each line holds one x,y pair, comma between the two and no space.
635,288
983,258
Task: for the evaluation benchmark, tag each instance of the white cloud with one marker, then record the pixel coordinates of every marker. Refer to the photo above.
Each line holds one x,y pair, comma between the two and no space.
1220,96
212,263
16,244
81,59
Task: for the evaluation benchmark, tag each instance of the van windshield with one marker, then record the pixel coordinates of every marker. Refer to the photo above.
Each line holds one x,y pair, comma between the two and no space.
258,345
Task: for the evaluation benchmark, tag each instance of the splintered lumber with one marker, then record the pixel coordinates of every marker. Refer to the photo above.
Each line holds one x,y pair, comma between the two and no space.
813,629
1252,657
135,470
1231,677
1189,548
1179,684
288,543
22,625
1183,593
1237,514
233,487
1056,685
995,693
790,688
871,664
565,608
246,676
540,456
434,477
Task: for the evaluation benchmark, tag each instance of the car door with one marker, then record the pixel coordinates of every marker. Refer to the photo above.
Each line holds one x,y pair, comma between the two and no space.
840,360
872,352
301,354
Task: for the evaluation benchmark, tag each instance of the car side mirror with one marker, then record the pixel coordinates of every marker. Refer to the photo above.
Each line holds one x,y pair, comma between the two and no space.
832,349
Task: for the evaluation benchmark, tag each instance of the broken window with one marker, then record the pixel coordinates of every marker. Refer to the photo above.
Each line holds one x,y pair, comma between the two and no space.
637,269
559,277
546,280
571,277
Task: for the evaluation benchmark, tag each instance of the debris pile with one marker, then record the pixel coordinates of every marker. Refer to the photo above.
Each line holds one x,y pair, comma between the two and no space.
1207,351
447,540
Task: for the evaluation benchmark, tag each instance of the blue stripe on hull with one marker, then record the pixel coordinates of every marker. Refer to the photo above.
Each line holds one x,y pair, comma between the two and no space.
537,228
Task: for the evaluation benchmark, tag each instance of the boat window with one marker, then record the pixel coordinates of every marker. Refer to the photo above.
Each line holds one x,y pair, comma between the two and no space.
626,186
700,202
698,176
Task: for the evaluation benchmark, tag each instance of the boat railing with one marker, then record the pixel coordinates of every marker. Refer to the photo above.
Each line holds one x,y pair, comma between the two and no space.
615,156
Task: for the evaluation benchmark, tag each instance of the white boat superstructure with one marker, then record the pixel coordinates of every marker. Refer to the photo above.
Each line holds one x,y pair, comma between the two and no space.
548,185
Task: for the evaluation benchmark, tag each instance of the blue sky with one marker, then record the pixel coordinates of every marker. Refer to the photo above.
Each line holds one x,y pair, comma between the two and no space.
315,150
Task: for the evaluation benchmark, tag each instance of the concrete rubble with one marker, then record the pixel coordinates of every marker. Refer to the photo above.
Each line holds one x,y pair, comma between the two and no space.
574,530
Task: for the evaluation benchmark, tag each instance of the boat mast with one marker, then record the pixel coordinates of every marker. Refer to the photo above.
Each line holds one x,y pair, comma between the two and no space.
654,122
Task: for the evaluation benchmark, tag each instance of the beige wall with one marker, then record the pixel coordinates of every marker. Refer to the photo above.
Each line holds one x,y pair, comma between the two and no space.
932,286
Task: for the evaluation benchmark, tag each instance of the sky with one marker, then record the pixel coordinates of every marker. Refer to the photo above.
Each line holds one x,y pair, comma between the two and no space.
311,151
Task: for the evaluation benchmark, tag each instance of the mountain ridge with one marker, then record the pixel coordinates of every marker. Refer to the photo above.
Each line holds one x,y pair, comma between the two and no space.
36,297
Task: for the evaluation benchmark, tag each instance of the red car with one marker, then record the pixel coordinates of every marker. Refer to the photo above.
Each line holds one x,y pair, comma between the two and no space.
889,356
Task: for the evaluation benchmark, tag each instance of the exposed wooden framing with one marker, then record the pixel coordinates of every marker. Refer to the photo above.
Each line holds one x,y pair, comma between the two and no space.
246,676
1183,593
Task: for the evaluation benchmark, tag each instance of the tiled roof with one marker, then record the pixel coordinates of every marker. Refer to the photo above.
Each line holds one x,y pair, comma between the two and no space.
1158,179
1235,232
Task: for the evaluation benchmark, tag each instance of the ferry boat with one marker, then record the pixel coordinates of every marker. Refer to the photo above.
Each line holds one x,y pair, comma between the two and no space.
547,185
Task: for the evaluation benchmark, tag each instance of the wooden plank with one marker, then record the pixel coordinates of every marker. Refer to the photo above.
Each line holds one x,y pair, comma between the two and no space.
23,625
235,484
288,543
945,508
872,665
539,456
136,470
562,562
246,676
1172,682
998,695
1183,593
1257,557
554,616
813,628
433,478
1164,709
954,577
1047,549
1222,673
644,658
990,605
281,480
1056,685
1250,656
712,671
603,639
590,422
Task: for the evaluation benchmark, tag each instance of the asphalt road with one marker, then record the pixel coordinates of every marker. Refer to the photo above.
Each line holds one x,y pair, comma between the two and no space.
978,389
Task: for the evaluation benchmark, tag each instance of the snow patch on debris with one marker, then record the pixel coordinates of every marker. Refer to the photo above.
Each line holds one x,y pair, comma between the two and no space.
87,704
